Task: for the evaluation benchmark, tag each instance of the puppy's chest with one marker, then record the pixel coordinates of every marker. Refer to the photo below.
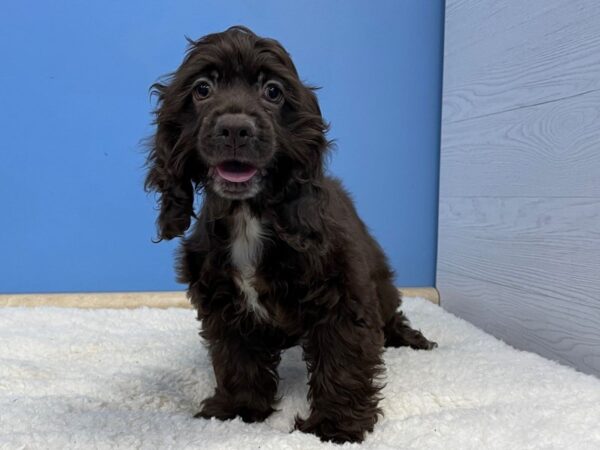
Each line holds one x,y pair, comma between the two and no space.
247,240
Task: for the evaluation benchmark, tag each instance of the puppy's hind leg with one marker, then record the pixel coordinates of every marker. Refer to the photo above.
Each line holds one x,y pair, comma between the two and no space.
397,330
398,333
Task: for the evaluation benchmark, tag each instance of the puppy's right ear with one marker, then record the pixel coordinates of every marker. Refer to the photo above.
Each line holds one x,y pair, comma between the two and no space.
169,166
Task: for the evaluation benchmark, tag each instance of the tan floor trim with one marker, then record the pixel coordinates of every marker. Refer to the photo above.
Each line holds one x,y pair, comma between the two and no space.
114,300
428,293
118,300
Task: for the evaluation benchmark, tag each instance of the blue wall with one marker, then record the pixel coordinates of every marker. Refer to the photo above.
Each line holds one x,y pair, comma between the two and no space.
75,78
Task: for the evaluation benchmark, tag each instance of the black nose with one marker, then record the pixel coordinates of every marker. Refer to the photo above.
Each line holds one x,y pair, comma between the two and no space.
235,129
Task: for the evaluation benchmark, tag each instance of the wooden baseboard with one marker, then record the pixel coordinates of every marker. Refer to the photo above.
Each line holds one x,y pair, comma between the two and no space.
428,293
118,300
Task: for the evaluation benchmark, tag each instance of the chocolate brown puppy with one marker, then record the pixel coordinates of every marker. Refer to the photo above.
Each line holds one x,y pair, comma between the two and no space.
277,255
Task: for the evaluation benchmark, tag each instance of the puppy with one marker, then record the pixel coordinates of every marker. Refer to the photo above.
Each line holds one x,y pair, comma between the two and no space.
277,255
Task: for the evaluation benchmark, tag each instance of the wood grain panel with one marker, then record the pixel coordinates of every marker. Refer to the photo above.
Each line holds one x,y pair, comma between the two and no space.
550,150
544,249
519,215
536,51
507,312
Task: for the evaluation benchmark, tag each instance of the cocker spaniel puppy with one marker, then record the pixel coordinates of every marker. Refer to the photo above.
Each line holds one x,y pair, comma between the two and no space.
277,255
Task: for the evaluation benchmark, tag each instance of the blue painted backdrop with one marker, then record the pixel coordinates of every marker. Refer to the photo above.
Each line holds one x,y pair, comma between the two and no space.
74,78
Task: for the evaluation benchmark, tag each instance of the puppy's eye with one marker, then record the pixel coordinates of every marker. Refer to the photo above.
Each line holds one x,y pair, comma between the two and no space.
273,93
202,90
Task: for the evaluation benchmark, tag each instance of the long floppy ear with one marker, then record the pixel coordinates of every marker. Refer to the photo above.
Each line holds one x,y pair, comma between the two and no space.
299,221
313,133
169,167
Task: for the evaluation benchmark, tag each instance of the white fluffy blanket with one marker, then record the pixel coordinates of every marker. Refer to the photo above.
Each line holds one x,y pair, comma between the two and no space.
74,378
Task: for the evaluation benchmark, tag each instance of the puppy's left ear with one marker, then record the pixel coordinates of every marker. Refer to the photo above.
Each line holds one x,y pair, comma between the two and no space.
310,129
170,163
317,129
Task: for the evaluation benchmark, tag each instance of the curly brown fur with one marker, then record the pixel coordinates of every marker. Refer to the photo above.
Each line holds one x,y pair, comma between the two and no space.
277,259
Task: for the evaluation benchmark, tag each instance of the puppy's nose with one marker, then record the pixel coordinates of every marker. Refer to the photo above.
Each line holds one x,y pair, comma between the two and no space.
235,129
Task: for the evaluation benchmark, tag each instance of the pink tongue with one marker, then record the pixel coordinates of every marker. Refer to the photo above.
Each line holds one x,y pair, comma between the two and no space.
237,176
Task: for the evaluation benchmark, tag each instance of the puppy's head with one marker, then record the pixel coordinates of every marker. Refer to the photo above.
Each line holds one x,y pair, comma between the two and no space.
233,119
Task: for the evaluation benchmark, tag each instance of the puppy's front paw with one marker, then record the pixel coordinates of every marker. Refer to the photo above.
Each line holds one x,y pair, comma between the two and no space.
328,430
217,406
223,408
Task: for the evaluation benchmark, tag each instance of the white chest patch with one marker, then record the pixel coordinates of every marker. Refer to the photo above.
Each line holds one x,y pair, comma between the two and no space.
246,249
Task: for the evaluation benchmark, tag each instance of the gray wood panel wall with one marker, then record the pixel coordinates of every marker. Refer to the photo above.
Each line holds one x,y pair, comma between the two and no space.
519,221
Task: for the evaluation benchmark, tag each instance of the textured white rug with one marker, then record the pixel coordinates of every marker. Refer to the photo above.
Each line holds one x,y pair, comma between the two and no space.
133,378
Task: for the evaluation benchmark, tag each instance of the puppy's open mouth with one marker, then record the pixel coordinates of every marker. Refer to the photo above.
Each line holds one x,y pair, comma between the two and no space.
236,171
